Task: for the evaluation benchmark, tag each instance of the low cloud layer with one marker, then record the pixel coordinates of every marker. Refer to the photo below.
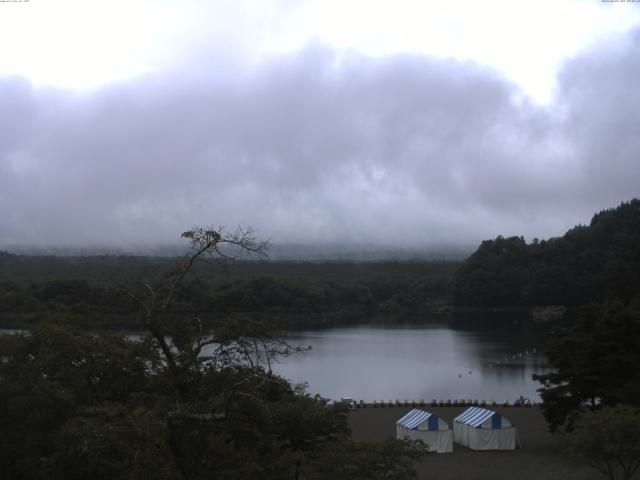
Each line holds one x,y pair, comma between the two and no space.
320,148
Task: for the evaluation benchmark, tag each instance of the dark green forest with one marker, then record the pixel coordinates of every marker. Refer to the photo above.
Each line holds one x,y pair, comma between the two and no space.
181,403
587,264
76,404
583,289
87,290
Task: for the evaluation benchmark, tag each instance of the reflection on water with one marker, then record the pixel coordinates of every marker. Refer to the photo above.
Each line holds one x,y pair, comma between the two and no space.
417,362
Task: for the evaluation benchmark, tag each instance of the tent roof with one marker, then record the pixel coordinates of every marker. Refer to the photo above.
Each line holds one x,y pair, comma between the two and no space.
474,416
414,418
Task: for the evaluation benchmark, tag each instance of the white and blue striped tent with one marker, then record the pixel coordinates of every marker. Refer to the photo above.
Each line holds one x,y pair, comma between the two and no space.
425,426
482,429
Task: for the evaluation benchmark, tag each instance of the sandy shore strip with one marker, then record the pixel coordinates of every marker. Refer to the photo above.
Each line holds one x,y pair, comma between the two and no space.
537,459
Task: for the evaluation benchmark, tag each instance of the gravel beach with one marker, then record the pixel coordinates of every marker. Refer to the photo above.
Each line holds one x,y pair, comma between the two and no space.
537,459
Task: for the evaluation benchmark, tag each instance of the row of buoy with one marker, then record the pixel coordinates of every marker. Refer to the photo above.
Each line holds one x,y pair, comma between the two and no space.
524,402
507,359
517,356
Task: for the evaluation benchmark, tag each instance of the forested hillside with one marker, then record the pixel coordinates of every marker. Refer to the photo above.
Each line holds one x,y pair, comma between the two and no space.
588,264
86,290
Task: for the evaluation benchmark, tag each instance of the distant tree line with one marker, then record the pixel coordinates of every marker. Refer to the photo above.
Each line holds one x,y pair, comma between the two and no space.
302,295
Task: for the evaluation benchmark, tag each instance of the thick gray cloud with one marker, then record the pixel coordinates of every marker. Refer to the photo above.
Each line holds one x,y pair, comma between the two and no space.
316,147
602,102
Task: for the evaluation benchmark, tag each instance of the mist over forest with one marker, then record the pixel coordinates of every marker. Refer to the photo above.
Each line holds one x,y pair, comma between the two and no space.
275,239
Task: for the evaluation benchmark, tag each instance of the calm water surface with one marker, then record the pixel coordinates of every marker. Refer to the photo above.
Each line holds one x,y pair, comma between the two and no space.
417,362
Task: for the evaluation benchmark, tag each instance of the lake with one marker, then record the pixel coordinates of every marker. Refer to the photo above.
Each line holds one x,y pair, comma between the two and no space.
482,361
417,362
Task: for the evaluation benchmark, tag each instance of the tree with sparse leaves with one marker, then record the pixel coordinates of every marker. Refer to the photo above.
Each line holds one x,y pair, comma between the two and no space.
183,404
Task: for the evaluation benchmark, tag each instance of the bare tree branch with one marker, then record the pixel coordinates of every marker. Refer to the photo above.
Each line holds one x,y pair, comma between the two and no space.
205,242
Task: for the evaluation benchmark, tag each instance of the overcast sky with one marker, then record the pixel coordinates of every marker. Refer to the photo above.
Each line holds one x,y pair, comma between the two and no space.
319,122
